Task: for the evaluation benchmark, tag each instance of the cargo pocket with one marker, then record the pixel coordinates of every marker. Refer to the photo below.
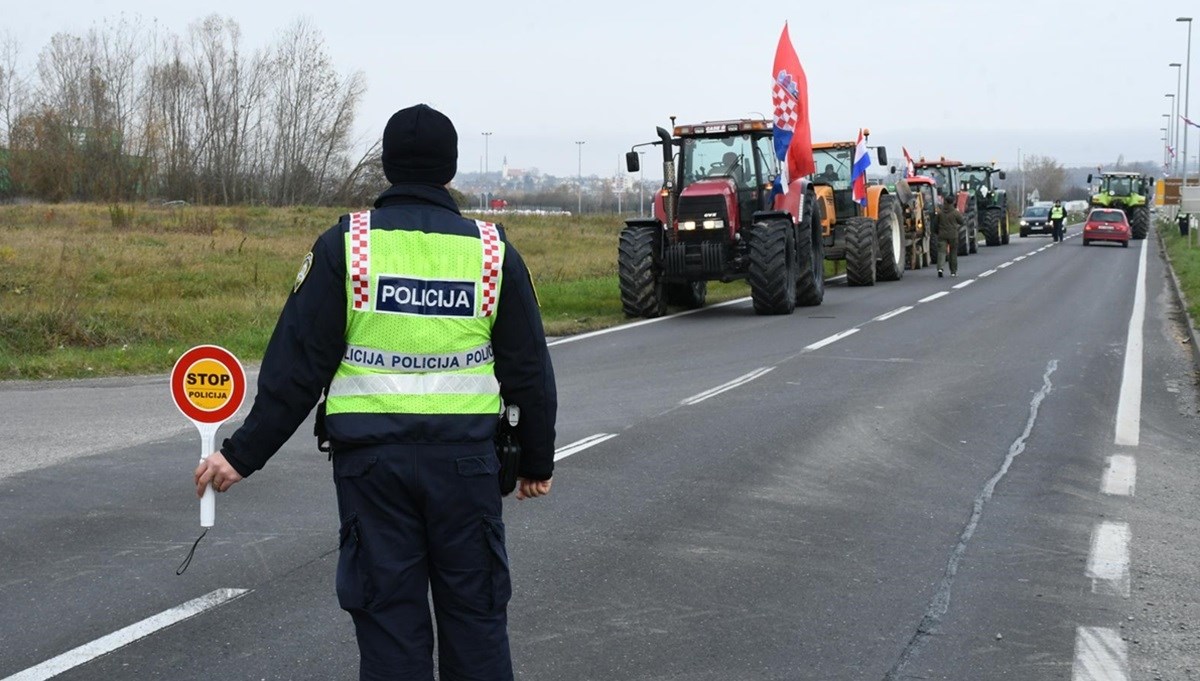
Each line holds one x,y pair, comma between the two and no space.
501,582
355,590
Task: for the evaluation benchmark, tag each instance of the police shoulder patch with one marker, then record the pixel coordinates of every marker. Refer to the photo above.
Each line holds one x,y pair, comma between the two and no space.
305,268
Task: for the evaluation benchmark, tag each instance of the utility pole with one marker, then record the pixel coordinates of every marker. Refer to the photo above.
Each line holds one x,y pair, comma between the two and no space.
579,145
1178,100
1187,96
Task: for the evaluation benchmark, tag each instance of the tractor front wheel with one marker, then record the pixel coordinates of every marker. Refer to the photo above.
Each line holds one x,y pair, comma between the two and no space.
890,231
642,290
773,273
861,249
1139,222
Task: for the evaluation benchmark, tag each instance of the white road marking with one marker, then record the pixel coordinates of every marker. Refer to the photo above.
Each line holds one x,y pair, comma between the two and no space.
123,637
1020,258
832,339
1108,560
1129,405
739,381
1003,265
580,445
964,284
986,274
1100,655
1120,477
940,294
888,315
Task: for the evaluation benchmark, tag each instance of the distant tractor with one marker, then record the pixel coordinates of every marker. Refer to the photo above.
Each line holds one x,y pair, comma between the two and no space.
991,202
918,197
717,219
1131,193
945,175
870,238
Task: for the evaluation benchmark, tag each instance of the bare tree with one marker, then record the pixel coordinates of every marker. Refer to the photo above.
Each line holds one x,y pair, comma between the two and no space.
1046,175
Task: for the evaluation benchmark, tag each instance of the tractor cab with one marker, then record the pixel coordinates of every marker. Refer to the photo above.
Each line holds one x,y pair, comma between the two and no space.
725,173
834,162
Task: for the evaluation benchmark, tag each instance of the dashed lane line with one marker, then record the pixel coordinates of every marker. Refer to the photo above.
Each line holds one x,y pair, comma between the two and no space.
1100,655
831,339
580,445
739,381
939,294
894,313
123,637
984,275
1120,477
963,284
1108,560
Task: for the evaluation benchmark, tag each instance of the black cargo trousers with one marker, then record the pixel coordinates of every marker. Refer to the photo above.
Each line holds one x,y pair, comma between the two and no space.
417,518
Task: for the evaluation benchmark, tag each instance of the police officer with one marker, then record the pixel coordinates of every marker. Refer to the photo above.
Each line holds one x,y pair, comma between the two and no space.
417,322
949,222
1057,215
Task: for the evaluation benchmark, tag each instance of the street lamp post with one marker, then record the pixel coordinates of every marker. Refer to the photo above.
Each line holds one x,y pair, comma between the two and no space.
579,145
1166,140
1170,123
1187,96
1178,100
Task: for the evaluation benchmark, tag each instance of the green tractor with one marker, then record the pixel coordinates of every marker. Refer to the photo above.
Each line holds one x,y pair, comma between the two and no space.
1131,193
991,202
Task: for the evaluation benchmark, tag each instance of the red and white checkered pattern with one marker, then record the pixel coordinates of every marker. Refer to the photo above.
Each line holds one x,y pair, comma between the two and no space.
785,107
491,267
360,259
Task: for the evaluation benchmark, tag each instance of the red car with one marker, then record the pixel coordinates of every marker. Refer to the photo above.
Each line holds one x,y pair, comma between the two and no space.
1106,224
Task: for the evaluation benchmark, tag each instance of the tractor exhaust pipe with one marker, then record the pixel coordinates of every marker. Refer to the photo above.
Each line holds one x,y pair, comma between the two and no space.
668,177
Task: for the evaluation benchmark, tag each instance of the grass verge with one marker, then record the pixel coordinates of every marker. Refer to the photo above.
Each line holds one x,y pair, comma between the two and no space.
1185,260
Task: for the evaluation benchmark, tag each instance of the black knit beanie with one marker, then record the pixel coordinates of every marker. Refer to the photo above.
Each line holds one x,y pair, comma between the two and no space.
420,145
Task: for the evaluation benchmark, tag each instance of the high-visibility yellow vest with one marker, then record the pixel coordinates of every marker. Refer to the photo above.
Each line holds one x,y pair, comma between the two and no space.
1057,213
420,310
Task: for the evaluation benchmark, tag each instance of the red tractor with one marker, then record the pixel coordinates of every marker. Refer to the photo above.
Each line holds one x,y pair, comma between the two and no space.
945,175
717,218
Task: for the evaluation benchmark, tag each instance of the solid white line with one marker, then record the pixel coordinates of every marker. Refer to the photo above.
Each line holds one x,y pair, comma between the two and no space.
739,381
643,322
964,284
123,637
1108,560
935,296
1129,405
832,339
1121,475
986,274
1100,655
580,445
888,315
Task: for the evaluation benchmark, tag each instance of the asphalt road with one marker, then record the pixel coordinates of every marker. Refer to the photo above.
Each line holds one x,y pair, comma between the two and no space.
894,485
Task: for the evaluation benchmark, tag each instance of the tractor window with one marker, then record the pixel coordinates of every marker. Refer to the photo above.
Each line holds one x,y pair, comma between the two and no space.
940,176
708,157
1119,186
834,167
973,178
766,151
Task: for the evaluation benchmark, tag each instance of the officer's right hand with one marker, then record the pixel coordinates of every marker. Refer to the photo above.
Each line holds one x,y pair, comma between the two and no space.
528,489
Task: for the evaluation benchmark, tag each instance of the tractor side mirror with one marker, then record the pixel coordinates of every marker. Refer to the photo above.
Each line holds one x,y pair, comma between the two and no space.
632,164
881,154
892,170
1003,175
1089,178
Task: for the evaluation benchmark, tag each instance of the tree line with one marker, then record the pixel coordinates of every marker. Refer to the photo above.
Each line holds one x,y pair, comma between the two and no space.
129,111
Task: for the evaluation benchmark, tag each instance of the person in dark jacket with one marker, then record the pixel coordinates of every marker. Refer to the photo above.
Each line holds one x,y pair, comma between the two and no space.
417,323
950,220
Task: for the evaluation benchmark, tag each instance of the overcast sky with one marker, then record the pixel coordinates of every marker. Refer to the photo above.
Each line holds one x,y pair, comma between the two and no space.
1080,81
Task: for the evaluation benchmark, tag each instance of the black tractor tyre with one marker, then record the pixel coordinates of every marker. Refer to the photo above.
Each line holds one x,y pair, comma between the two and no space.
1139,222
1004,229
642,290
990,226
810,259
687,294
889,230
1024,233
972,231
772,274
861,251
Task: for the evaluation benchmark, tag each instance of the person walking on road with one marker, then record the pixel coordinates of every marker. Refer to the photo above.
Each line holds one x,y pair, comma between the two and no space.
417,323
950,220
1057,215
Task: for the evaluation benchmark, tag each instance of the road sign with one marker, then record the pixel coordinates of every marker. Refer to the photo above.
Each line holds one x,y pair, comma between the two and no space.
208,385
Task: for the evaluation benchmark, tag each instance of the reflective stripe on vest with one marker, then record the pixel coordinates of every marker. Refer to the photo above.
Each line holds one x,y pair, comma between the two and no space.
420,310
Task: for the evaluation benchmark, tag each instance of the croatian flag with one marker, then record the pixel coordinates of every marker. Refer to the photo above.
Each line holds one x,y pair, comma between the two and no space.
909,168
858,175
791,133
1185,119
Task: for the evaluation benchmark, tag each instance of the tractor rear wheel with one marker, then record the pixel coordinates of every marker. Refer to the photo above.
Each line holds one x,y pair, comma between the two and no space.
773,273
810,259
972,231
990,226
687,294
1004,228
1139,222
642,290
890,231
861,249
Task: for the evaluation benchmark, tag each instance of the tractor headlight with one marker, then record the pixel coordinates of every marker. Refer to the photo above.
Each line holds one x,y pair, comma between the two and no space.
687,225
714,224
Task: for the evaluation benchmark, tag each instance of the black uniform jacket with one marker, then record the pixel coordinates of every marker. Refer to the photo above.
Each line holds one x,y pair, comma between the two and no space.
309,341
